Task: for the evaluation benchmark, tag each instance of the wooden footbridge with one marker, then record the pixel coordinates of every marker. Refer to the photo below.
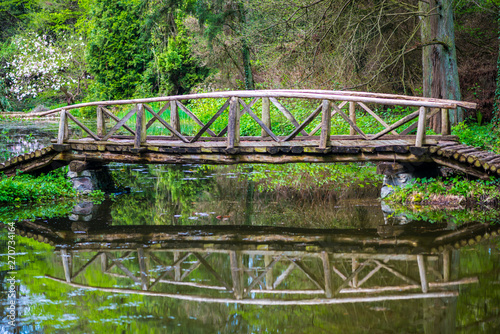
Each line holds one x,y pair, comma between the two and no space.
106,142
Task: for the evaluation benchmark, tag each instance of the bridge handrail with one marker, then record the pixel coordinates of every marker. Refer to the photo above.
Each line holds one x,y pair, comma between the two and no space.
351,96
237,107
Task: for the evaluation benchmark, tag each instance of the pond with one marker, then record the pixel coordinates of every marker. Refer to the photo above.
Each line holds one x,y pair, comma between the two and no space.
202,249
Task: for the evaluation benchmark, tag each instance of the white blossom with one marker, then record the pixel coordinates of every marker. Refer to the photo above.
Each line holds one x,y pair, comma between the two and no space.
40,65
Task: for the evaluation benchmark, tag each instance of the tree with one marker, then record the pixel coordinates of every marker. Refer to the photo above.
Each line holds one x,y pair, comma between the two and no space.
117,53
439,59
174,68
40,65
219,17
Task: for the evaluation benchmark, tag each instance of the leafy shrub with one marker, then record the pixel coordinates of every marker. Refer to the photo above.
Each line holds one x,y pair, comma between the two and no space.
24,187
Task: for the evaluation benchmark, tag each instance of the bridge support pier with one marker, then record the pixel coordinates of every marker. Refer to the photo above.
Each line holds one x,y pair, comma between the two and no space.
400,174
89,176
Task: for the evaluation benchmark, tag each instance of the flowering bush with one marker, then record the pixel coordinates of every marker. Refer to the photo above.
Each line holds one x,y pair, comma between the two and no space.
40,65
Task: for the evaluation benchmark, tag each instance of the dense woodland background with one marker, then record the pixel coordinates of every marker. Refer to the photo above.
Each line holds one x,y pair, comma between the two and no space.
62,51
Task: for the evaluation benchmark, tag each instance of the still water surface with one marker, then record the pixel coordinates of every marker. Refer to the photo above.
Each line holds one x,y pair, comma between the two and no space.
198,249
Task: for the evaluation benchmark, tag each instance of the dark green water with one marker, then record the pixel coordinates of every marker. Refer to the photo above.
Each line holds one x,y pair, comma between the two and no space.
197,249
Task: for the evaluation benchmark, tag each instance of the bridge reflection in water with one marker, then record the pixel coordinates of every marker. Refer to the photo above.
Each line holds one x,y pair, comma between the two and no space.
267,265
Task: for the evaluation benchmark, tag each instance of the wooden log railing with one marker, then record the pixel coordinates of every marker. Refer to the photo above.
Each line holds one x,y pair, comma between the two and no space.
331,103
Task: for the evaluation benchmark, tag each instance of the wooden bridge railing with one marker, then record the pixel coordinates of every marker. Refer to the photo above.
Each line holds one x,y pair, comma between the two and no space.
330,104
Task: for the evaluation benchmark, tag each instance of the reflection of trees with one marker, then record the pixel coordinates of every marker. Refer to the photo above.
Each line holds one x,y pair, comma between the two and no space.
194,195
479,307
159,193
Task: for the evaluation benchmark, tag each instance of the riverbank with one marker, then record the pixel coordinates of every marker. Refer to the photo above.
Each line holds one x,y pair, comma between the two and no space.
46,187
453,191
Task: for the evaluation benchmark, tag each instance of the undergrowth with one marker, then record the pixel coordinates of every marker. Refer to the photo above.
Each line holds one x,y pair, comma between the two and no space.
429,190
309,176
46,187
25,187
484,136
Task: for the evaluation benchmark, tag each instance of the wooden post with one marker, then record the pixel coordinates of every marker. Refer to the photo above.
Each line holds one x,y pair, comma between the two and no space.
104,262
421,128
266,115
352,116
66,128
143,269
174,116
269,274
177,268
326,125
328,274
446,265
445,122
233,126
101,122
421,270
355,266
62,135
140,127
235,261
66,264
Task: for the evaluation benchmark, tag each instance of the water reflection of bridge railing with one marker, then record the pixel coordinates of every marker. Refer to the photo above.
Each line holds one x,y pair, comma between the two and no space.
284,277
263,265
326,268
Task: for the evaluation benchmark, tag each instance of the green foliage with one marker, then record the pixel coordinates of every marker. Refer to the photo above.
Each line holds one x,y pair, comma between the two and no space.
117,54
314,176
497,90
4,101
175,69
472,191
25,187
52,209
483,136
177,66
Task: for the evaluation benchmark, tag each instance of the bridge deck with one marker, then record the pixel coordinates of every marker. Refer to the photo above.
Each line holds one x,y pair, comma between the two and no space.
250,150
248,145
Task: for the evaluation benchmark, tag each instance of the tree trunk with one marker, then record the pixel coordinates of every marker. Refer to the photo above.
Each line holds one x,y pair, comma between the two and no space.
249,84
439,61
497,91
245,50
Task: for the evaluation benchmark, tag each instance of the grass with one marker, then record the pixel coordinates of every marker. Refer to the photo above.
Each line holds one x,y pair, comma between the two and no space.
484,136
